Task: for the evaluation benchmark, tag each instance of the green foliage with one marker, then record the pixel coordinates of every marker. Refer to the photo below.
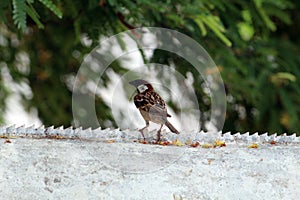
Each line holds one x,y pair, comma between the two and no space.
19,13
255,44
49,4
22,8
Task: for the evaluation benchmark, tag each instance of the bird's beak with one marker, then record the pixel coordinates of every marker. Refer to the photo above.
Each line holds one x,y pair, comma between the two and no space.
133,83
138,82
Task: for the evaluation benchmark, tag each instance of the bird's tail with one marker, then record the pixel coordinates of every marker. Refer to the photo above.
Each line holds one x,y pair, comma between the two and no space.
171,127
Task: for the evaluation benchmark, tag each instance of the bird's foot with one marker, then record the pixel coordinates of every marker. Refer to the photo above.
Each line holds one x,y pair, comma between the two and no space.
142,132
158,136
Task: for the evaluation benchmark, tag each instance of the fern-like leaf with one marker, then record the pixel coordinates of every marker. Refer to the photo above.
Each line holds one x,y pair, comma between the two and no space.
34,16
19,14
49,4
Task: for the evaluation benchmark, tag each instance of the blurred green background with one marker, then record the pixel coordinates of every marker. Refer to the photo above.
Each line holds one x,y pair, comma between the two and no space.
255,45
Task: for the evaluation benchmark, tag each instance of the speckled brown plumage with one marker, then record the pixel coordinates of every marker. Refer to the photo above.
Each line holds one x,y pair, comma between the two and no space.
151,106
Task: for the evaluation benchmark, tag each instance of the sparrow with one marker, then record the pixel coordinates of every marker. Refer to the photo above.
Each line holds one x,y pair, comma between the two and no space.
151,106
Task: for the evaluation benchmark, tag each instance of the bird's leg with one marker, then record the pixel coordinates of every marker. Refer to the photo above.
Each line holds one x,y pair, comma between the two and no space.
142,130
158,133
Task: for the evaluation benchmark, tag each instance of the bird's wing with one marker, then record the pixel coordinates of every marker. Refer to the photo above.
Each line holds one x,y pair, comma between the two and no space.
160,104
152,104
140,101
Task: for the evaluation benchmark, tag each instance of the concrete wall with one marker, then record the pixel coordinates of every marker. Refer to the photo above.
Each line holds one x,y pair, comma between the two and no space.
120,168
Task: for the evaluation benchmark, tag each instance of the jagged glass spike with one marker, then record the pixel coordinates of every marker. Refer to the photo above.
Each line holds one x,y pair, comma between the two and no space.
237,136
3,130
184,131
49,131
289,138
255,137
77,131
11,130
196,133
91,134
127,130
227,133
21,130
97,130
88,129
284,138
254,134
294,136
116,133
228,137
106,130
69,132
264,137
108,133
121,134
296,139
273,137
30,130
264,134
245,136
87,133
40,131
279,139
218,134
59,131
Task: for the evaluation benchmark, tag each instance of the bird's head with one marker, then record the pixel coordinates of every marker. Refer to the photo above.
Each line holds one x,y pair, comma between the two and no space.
141,85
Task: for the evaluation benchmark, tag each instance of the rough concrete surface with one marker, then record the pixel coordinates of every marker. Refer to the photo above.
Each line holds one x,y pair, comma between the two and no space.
32,168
